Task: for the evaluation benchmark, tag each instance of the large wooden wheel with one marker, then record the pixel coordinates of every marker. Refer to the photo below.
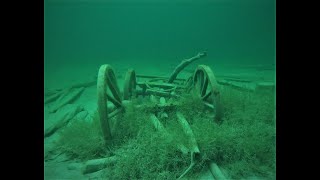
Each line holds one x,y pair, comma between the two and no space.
108,96
206,86
130,83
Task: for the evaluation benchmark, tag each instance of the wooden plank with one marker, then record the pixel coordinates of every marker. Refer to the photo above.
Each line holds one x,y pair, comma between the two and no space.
188,131
216,172
157,77
98,164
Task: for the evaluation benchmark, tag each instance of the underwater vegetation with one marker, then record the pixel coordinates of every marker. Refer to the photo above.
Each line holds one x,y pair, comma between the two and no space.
242,145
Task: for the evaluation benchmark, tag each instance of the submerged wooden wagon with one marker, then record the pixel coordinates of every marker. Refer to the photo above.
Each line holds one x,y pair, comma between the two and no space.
111,102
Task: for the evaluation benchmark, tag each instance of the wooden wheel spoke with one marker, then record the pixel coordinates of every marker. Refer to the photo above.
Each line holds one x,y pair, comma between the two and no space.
113,100
204,86
115,112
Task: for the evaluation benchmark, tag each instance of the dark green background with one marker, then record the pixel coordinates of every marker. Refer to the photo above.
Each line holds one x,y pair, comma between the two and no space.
231,31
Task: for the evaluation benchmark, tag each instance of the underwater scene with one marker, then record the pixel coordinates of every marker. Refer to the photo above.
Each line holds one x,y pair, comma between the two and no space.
160,89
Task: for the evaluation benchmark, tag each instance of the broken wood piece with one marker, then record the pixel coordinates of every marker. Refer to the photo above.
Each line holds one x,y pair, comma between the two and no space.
157,124
67,98
86,84
52,92
193,142
216,172
55,94
98,164
206,174
53,98
79,85
159,127
62,118
64,93
183,64
188,131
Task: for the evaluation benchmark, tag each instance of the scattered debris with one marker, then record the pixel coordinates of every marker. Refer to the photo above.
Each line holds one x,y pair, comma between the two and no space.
62,118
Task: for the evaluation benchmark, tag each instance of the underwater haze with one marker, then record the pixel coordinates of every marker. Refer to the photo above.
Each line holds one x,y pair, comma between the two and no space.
231,31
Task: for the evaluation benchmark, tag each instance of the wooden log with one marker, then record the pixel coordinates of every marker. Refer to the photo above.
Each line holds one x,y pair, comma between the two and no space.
216,172
206,174
158,126
62,118
74,166
184,64
53,97
85,84
194,148
98,164
52,92
188,131
64,93
55,94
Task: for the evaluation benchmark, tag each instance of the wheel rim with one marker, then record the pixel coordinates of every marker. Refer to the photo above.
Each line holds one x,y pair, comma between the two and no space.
130,84
206,86
108,92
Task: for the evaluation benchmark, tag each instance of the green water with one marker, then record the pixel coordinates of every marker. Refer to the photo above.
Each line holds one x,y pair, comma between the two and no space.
231,31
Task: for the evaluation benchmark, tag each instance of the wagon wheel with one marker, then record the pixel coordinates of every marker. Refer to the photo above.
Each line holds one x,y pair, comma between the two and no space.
130,83
108,93
206,86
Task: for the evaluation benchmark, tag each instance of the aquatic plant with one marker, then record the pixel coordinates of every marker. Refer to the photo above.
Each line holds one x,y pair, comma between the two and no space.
243,145
82,139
